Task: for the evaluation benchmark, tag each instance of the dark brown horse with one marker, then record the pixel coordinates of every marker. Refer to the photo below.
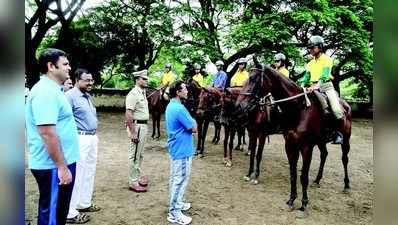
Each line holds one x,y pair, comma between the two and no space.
209,110
211,99
303,125
157,106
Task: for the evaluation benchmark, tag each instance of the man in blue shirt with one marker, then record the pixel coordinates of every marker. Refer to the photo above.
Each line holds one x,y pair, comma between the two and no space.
221,77
85,116
52,138
180,126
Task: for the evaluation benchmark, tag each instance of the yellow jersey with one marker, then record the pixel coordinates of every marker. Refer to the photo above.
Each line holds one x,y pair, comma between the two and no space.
239,78
320,68
168,78
198,78
284,71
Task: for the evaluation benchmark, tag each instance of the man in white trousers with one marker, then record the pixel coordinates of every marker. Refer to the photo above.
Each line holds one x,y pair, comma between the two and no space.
85,116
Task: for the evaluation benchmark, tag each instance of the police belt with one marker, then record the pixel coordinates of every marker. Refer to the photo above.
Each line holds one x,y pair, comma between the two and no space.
88,132
140,121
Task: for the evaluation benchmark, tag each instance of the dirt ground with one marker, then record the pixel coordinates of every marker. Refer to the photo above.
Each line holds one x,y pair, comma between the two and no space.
219,195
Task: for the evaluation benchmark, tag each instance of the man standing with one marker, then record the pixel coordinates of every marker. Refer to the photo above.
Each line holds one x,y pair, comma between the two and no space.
85,116
240,77
137,115
221,77
52,138
180,126
68,85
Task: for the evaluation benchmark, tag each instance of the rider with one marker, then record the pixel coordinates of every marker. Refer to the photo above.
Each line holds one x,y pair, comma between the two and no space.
318,77
240,77
198,77
167,79
220,77
280,64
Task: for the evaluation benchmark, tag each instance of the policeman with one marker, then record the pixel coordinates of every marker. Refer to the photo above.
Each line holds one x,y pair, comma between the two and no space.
137,115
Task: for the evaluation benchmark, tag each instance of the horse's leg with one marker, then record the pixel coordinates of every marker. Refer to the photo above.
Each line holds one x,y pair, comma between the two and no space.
158,124
198,146
237,130
324,154
231,145
226,138
292,155
252,149
215,132
218,129
204,132
153,124
306,155
259,155
345,147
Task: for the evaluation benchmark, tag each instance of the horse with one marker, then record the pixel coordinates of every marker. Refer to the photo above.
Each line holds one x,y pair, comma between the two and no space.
209,109
232,123
213,102
303,125
157,106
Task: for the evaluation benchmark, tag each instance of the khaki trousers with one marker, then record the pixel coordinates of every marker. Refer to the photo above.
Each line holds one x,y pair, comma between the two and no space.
328,88
136,154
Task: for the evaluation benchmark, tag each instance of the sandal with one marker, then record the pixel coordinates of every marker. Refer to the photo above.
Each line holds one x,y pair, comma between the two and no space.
79,219
92,208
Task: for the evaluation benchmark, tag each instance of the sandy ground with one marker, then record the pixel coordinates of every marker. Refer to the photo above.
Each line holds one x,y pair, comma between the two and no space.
219,195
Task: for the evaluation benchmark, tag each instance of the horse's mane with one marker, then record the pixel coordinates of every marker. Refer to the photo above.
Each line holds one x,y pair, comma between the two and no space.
283,80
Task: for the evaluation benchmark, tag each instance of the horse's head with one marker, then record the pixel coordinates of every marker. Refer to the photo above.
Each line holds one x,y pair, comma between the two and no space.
209,101
256,87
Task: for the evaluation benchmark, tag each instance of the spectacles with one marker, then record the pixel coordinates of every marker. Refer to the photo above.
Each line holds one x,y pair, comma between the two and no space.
144,78
88,80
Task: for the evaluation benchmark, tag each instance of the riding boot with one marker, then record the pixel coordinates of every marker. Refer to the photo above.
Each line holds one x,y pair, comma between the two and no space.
338,135
323,102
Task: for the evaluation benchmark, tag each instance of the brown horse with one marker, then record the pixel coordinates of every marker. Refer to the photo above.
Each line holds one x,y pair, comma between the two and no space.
208,110
157,106
211,99
303,125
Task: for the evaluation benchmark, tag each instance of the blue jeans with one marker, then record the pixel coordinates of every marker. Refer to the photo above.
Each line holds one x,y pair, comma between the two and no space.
180,171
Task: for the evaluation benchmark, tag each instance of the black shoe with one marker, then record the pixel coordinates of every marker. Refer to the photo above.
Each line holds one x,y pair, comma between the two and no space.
338,138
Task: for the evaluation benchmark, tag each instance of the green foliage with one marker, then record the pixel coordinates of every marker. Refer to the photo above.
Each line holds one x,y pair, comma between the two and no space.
124,36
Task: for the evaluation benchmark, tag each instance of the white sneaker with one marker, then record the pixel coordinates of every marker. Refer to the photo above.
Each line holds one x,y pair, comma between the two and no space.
185,206
181,219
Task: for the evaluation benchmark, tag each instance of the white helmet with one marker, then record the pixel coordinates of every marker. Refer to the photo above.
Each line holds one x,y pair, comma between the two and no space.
196,66
280,57
219,63
168,65
242,60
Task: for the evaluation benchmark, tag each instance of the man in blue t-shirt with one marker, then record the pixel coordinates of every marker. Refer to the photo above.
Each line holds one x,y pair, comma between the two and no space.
180,126
52,138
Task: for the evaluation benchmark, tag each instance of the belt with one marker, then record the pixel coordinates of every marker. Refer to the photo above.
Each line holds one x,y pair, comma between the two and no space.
81,132
140,121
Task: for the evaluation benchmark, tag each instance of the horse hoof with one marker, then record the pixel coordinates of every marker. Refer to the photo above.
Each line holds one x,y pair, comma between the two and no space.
254,181
201,155
347,191
301,214
224,161
246,178
247,153
315,185
228,164
289,208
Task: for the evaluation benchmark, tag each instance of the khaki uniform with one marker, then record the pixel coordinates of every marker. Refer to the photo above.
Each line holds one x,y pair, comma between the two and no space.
137,102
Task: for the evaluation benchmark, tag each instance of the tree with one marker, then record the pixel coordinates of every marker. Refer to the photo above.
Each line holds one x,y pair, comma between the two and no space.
46,14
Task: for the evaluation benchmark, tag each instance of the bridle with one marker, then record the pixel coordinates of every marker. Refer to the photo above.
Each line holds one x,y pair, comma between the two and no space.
267,102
